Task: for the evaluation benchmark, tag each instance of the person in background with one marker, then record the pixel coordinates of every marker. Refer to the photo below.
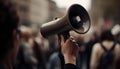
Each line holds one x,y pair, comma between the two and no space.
117,36
81,55
38,54
25,58
89,46
107,40
9,36
54,60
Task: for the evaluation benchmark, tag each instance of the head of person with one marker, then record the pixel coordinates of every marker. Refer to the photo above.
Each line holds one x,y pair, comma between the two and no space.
26,33
8,31
107,35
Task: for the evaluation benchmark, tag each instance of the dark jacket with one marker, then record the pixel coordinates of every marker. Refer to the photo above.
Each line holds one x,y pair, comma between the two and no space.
66,66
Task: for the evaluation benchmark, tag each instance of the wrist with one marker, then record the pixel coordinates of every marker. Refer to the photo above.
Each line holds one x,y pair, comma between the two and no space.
70,59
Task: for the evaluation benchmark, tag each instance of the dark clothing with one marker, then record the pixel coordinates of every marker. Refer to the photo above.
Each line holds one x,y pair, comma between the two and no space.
54,61
2,67
37,51
89,47
81,56
66,66
69,66
80,60
25,58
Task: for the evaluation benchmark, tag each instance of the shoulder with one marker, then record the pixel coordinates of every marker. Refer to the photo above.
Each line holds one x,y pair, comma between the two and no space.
97,50
117,47
96,46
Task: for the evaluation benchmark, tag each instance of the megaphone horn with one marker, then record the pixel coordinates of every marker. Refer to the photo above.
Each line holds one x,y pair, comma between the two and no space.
76,19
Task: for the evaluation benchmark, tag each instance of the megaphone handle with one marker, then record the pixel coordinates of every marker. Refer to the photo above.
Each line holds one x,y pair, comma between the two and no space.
66,35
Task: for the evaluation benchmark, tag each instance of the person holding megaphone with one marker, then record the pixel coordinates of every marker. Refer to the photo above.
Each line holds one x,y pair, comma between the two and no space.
76,19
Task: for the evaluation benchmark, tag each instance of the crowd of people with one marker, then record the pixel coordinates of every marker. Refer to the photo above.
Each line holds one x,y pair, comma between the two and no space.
36,52
22,48
19,44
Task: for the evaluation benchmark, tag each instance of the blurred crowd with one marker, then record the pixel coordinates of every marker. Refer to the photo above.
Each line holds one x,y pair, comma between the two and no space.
36,52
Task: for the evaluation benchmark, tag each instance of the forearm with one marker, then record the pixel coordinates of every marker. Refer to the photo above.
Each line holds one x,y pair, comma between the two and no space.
70,62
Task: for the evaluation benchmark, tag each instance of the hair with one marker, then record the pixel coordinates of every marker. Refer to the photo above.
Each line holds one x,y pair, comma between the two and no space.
8,22
107,35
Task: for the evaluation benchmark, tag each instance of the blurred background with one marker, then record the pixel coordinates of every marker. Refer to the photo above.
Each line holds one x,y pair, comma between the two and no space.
104,14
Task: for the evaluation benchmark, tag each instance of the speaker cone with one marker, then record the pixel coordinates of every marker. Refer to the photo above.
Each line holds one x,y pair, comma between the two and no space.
79,19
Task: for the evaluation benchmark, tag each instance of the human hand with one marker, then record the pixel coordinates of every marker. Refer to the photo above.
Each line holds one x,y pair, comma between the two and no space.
69,49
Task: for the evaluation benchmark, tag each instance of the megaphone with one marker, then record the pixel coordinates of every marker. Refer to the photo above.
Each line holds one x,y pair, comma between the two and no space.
76,19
